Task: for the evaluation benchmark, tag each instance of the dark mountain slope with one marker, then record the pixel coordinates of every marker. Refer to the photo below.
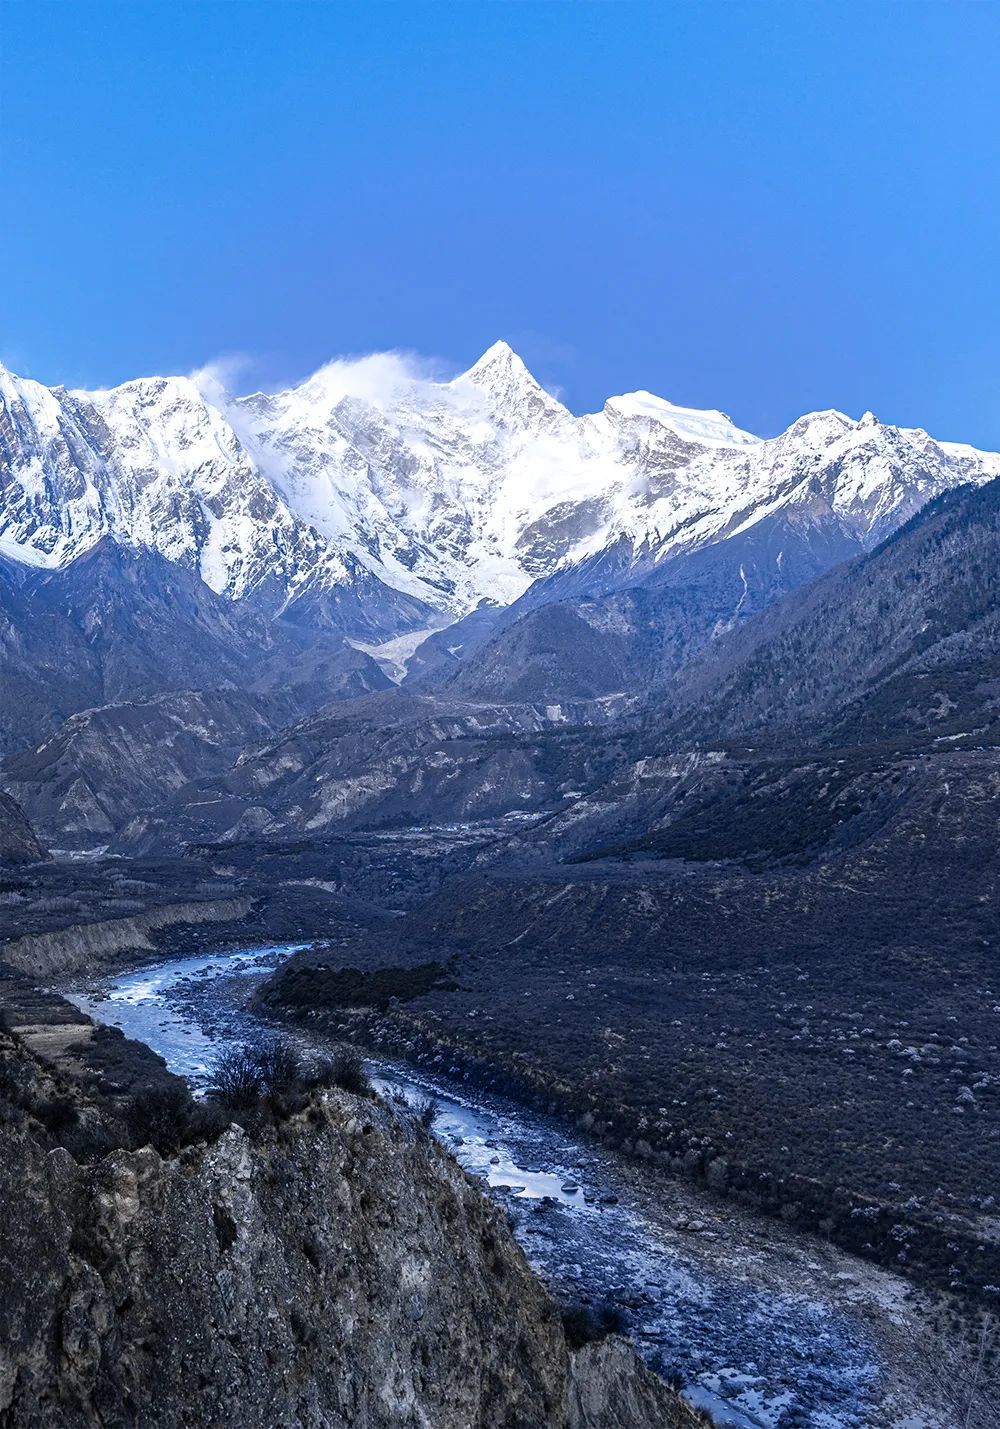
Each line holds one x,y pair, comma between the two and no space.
439,656
18,841
803,730
121,624
918,618
388,761
560,652
104,766
622,623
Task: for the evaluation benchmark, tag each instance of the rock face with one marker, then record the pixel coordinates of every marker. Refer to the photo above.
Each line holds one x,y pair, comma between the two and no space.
608,1388
18,842
336,1270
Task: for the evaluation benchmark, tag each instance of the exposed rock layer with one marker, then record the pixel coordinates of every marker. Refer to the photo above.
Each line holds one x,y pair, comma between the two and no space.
335,1270
18,843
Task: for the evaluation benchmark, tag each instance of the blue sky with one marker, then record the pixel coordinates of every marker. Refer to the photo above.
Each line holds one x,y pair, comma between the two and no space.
768,208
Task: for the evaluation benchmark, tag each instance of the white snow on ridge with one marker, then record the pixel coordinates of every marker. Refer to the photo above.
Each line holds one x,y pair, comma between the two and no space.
449,491
701,428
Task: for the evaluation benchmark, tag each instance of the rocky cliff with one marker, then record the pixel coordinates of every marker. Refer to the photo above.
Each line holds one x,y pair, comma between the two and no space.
18,843
333,1269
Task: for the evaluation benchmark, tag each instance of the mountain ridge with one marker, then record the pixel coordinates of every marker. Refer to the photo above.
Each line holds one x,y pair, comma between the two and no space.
375,501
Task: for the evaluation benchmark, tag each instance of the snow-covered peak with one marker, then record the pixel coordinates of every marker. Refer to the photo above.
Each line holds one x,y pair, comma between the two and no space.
372,474
817,429
707,428
514,397
499,364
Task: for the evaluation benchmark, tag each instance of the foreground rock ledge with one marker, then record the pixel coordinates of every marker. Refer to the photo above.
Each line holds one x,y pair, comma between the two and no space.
335,1270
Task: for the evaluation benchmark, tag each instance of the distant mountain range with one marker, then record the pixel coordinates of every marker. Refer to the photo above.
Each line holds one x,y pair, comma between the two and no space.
381,509
191,584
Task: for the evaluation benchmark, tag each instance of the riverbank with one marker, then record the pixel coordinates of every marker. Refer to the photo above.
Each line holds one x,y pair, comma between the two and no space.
762,1326
854,1104
320,1264
70,919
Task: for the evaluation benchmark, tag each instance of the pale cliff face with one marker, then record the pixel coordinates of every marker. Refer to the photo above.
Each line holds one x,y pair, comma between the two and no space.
337,1270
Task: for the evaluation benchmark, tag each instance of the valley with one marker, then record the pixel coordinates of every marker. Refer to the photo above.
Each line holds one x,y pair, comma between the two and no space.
714,1301
499,715
625,780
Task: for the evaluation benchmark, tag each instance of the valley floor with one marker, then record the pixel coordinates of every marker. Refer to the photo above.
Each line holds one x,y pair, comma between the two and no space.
764,1326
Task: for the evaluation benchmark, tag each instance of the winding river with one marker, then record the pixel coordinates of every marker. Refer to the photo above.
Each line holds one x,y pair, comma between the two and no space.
756,1333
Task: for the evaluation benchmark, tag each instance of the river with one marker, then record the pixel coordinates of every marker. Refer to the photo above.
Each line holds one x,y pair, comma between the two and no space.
759,1337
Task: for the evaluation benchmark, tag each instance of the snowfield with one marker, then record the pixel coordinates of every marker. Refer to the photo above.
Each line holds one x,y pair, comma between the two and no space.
372,478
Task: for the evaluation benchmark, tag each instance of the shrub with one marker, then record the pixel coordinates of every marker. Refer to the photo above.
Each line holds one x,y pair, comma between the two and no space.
159,1117
207,1122
245,1077
236,1082
88,1140
349,1072
279,1066
309,986
585,1323
168,1117
427,1111
321,1072
57,1114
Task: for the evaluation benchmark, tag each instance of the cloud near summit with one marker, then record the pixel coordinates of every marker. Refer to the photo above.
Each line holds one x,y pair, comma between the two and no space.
376,377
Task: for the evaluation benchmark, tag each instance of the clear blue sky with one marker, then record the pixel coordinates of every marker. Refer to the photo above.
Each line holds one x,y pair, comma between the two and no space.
764,207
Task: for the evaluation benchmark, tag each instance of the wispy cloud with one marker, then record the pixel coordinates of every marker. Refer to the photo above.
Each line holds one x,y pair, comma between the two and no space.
377,377
221,378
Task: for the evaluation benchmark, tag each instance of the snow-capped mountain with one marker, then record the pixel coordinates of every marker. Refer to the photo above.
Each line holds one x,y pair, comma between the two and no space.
384,506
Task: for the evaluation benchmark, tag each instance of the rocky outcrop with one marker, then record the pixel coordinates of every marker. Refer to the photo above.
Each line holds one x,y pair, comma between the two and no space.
18,843
609,1386
337,1269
